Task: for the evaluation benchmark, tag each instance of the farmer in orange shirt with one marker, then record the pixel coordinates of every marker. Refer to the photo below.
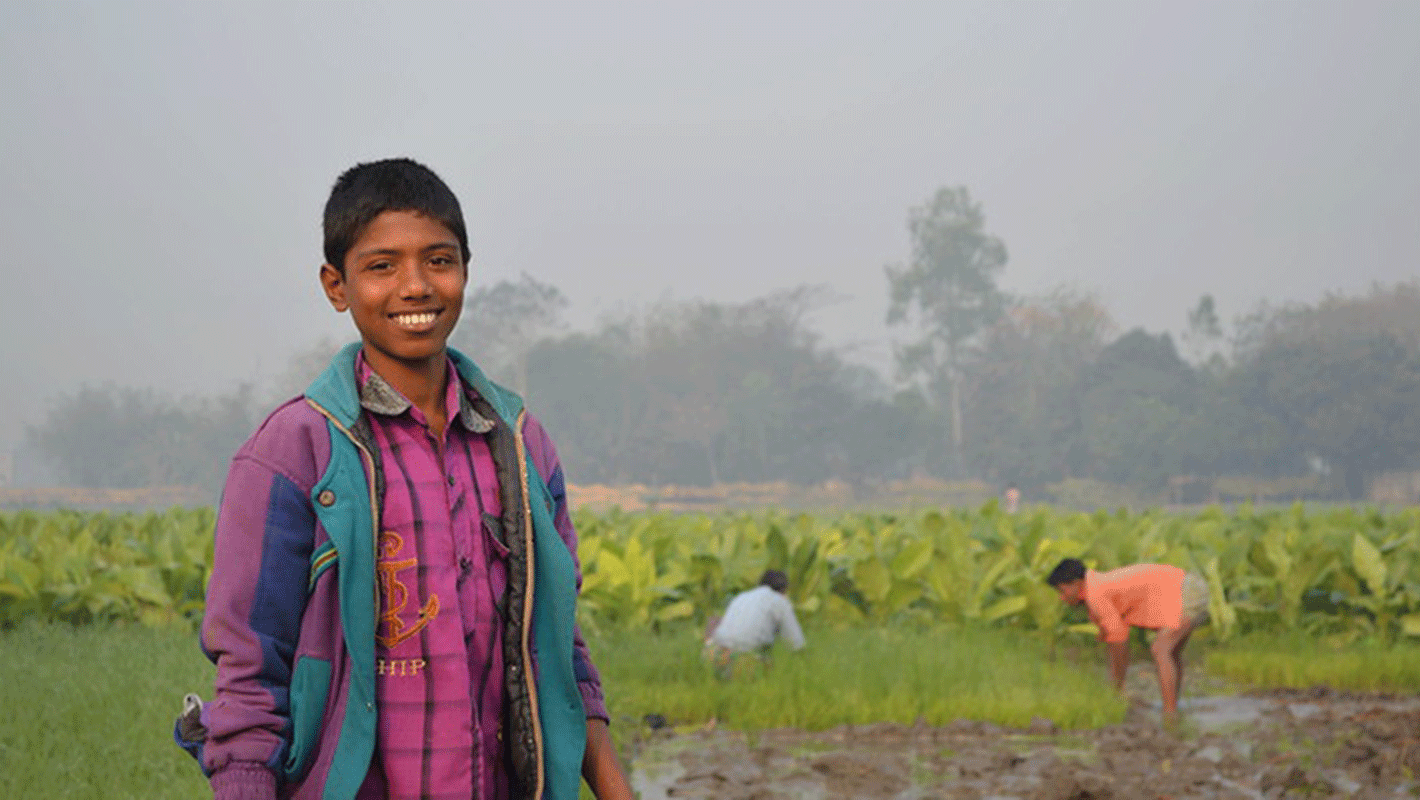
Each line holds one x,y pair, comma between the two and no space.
1157,597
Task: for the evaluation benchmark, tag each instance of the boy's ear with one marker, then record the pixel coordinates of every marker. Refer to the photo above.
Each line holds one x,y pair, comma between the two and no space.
334,285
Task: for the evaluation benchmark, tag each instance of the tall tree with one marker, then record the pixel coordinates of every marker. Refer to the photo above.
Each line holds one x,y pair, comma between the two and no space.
502,323
1203,339
946,295
1136,402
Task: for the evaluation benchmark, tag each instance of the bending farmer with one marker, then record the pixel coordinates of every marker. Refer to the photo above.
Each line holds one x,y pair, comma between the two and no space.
1157,597
753,620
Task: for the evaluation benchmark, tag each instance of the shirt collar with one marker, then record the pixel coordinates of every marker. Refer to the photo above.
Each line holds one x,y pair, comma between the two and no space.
379,397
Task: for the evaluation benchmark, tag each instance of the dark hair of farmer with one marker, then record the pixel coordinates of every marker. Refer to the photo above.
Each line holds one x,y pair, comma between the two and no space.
775,580
1069,569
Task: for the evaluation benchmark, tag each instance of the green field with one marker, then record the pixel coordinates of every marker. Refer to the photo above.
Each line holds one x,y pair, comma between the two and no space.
89,710
931,615
1339,572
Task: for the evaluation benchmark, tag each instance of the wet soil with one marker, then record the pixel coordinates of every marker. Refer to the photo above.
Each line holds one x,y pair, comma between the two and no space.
1274,744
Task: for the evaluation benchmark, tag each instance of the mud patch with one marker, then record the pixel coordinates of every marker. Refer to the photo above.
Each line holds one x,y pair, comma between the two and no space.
1258,746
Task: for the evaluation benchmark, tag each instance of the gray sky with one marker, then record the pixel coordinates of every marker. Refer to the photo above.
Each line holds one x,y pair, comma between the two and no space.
164,165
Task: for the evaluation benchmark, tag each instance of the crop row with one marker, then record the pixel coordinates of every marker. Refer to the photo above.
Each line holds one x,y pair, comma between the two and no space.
1339,574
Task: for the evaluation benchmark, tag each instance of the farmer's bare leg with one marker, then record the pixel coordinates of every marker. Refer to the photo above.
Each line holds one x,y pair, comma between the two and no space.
1167,650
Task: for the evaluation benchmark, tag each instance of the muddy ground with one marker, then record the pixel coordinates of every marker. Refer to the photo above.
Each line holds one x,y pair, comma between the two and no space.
1275,744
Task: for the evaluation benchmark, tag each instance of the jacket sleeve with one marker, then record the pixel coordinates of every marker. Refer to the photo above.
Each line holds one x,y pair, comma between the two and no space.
544,456
255,601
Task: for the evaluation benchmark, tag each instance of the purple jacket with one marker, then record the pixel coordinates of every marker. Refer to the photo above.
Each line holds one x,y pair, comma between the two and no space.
293,644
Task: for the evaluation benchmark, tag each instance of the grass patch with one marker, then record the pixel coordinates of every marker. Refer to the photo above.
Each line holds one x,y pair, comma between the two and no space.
857,676
1300,661
89,712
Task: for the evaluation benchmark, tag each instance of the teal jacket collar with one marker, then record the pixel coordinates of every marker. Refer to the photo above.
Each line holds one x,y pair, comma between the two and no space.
337,391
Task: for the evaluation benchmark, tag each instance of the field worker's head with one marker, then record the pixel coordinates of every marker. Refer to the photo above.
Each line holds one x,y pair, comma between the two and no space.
775,580
1068,578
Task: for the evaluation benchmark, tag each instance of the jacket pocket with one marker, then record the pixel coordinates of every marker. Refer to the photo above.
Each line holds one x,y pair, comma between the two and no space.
310,688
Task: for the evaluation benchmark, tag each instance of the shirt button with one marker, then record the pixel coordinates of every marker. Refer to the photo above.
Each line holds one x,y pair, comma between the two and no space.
326,498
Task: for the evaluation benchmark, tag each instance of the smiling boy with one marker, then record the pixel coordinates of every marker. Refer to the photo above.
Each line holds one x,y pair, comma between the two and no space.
392,602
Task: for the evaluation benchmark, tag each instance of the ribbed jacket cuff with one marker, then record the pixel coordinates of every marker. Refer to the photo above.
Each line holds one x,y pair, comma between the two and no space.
593,701
243,782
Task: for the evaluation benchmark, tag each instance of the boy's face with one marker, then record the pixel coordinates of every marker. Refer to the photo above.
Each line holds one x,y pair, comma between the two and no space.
1072,592
403,285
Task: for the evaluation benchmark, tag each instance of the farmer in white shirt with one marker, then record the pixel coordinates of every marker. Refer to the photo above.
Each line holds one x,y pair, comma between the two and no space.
751,623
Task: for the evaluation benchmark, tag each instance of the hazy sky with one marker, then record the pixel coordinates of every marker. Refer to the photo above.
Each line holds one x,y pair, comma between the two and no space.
164,165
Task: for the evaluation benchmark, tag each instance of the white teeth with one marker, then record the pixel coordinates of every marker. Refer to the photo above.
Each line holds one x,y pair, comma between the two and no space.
413,320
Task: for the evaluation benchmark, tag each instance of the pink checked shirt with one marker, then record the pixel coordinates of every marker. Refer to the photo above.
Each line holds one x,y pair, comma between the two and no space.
441,574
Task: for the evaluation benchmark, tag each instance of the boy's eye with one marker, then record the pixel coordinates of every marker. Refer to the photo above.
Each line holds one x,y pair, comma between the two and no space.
380,266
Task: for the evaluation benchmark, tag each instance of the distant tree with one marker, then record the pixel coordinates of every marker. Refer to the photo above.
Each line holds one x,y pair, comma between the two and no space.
502,323
592,399
1204,338
113,437
1137,399
947,294
697,393
1349,400
1386,310
1023,389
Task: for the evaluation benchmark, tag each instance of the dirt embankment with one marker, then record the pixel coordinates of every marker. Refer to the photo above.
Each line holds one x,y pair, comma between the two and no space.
1266,745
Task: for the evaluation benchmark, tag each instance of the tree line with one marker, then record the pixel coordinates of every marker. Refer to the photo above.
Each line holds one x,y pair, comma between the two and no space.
983,385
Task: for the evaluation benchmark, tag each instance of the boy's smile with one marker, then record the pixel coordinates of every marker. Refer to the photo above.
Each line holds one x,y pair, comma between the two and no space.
403,285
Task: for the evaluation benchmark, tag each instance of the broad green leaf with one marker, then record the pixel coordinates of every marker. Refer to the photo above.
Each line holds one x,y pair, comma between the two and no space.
1005,607
1367,561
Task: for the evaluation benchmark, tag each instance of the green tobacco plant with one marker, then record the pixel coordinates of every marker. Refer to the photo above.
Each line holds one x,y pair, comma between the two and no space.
1338,573
1381,584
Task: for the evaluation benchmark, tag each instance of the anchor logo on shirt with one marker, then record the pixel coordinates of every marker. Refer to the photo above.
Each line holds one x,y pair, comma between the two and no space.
395,595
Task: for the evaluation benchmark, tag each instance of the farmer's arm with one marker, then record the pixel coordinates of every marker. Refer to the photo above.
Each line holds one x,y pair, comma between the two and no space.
1114,631
789,625
600,767
1118,662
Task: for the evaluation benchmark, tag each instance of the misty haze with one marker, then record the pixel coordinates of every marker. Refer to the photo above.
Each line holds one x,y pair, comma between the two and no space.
950,399
1108,253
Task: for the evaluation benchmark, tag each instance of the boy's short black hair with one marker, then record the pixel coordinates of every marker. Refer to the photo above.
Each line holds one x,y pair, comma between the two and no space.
775,580
366,191
1069,569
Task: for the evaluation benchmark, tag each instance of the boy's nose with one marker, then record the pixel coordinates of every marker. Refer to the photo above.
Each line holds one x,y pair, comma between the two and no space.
415,283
